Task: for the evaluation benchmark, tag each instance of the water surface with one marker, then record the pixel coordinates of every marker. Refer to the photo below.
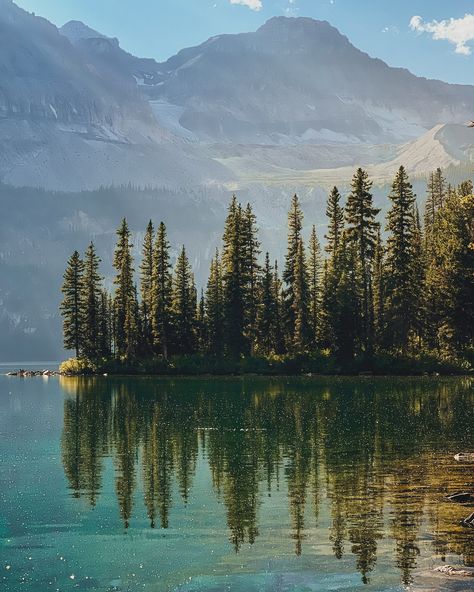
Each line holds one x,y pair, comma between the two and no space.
252,484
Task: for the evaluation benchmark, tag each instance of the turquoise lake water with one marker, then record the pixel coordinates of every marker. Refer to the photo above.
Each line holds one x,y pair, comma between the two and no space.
239,484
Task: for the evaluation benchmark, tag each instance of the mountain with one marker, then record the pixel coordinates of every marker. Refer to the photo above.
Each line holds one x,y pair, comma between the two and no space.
293,106
72,118
300,80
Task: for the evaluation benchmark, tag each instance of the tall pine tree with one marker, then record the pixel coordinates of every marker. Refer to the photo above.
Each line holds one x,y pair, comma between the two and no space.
214,309
184,306
362,230
401,301
72,309
92,298
146,288
124,300
161,292
335,214
314,271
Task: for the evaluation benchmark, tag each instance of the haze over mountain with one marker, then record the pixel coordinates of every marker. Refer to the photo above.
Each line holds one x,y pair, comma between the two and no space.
291,107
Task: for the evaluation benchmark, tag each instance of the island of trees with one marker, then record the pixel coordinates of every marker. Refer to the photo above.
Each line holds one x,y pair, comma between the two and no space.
397,297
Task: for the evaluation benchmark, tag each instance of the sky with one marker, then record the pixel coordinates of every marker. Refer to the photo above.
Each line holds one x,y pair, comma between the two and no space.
432,38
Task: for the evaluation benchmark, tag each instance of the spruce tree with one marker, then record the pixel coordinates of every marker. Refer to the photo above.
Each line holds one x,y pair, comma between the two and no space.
233,280
400,308
314,272
92,297
214,309
146,288
105,326
72,309
161,292
266,311
301,330
346,312
465,188
124,290
362,231
279,329
296,292
250,273
184,306
379,293
201,326
132,328
450,277
335,214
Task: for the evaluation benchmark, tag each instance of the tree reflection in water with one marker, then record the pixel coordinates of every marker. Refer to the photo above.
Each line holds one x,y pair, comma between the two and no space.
378,453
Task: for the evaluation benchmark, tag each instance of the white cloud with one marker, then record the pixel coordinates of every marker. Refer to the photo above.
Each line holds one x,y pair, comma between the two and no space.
459,31
252,4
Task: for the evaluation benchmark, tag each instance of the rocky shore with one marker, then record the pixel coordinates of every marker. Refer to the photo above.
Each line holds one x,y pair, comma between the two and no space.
33,373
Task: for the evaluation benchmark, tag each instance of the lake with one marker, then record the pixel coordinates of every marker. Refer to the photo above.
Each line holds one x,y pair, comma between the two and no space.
239,484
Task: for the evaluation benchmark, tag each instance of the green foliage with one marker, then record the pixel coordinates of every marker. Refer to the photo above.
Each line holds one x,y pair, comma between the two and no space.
401,264
184,306
72,305
362,231
77,367
405,306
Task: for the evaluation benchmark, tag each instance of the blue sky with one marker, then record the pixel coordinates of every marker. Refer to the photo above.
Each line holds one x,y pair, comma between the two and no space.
437,45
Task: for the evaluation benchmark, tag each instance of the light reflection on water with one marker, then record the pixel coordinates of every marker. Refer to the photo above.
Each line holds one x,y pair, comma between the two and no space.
233,484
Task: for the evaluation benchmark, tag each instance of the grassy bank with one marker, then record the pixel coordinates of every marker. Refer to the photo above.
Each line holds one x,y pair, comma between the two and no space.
196,365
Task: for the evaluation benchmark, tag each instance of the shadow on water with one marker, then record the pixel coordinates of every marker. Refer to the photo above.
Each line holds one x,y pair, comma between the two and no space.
378,454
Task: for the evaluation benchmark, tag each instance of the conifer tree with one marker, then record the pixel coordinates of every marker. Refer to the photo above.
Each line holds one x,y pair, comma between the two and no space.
250,272
346,315
296,293
161,292
314,272
201,326
72,309
105,326
146,288
379,292
418,264
214,308
362,231
465,188
335,214
279,335
92,296
266,311
400,308
124,289
233,280
184,306
132,328
450,279
301,330
326,337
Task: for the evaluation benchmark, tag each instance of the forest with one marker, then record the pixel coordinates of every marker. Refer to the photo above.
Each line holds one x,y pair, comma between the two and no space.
384,297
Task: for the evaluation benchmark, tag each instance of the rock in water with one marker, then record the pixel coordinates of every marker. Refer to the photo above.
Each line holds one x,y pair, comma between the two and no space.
464,457
450,570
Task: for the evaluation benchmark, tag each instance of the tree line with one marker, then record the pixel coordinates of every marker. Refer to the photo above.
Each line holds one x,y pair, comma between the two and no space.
361,294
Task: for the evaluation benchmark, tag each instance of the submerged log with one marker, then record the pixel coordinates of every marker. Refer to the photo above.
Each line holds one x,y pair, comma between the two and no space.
469,521
461,498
